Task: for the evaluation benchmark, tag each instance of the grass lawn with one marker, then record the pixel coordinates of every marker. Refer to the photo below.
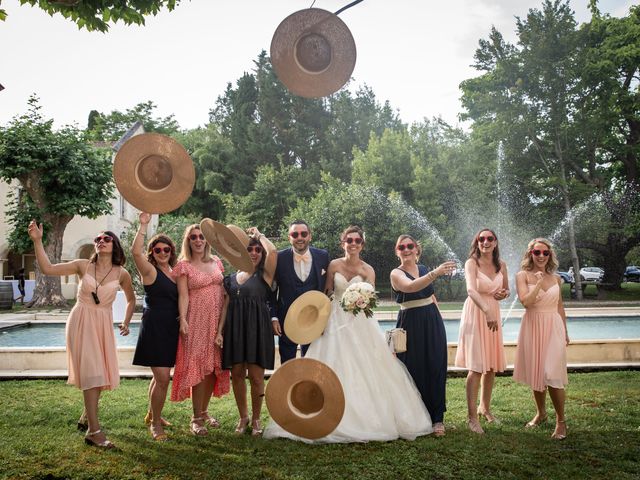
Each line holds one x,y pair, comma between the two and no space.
38,439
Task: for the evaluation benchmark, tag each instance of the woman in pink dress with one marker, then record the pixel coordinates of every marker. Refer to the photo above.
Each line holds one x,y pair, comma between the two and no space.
541,356
91,344
480,348
198,372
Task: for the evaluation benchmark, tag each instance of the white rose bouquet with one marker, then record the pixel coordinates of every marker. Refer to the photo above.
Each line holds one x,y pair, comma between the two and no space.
359,297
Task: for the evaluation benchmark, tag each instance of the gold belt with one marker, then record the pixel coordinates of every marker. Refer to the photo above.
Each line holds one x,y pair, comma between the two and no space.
417,303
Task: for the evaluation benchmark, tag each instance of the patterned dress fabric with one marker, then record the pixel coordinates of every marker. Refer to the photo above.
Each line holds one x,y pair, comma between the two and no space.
198,355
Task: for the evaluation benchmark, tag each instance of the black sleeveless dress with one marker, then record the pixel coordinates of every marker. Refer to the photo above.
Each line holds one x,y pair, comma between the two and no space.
158,338
426,355
248,334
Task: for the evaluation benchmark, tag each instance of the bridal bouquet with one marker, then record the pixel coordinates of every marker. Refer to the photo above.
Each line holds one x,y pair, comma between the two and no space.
359,297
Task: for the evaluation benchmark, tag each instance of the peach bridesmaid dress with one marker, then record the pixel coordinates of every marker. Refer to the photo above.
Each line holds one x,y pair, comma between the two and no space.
479,349
91,342
541,355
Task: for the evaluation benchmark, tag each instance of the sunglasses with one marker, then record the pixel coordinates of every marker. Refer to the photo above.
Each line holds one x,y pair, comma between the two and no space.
351,240
537,252
254,248
103,238
196,236
159,250
295,235
489,239
408,246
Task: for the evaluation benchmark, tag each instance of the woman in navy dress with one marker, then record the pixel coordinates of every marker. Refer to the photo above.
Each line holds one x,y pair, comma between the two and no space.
158,338
426,355
246,332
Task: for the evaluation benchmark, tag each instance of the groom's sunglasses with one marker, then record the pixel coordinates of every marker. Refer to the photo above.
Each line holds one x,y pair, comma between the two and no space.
295,235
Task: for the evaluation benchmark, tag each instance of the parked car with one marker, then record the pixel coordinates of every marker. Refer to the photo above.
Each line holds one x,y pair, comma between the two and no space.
591,274
632,274
566,277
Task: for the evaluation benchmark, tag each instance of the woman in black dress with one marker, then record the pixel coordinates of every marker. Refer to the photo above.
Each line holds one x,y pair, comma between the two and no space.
246,332
158,338
426,355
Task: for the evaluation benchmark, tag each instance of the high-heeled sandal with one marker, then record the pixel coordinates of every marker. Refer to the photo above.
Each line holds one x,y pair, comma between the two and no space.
197,428
534,423
439,430
157,433
474,426
489,417
560,436
209,420
243,425
106,444
148,418
256,428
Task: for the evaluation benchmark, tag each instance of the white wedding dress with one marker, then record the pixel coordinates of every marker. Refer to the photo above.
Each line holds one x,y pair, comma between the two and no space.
381,401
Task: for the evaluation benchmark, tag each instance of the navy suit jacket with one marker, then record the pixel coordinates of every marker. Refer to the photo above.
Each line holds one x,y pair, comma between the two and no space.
288,282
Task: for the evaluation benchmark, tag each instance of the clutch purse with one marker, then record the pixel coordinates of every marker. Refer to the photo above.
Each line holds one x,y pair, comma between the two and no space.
397,340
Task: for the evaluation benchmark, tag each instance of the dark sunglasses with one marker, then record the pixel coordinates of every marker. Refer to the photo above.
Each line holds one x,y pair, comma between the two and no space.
537,252
158,250
408,246
254,248
351,240
295,235
103,238
489,239
196,236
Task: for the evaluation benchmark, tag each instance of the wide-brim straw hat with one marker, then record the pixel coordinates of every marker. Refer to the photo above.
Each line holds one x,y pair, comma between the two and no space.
305,397
307,317
313,53
229,242
154,173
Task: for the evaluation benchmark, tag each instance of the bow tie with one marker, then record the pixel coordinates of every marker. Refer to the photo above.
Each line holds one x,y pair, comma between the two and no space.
305,257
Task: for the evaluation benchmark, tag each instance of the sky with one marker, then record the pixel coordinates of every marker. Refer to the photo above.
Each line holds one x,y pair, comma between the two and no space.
413,53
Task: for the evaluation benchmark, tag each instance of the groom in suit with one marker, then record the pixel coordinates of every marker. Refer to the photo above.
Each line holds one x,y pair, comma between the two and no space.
300,268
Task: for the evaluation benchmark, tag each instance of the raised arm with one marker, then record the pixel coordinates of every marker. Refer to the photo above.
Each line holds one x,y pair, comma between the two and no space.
145,269
74,267
401,283
271,255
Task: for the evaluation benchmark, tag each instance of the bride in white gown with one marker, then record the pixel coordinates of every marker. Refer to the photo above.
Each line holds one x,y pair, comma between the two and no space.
381,401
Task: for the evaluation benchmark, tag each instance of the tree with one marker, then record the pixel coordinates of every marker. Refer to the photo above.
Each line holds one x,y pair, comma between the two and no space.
112,126
61,175
96,14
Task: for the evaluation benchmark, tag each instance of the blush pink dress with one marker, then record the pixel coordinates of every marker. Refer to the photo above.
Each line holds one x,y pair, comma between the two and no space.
541,355
91,342
479,349
197,354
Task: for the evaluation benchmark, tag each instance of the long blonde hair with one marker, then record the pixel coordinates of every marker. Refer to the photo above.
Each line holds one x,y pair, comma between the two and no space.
527,260
185,252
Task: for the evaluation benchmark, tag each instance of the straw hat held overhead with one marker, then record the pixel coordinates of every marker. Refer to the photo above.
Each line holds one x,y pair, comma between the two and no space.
313,53
154,173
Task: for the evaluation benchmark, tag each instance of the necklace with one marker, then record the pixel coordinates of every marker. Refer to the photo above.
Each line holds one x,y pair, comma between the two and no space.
94,294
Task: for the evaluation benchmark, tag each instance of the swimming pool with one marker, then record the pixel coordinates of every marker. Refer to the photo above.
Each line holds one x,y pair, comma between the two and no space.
580,328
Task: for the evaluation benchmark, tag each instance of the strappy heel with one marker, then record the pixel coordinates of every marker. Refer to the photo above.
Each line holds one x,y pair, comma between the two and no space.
209,420
256,428
106,444
197,427
243,425
474,426
560,436
534,423
158,433
489,417
148,418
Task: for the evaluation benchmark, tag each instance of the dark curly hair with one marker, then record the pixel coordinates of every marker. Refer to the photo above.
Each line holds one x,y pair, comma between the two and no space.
117,254
161,238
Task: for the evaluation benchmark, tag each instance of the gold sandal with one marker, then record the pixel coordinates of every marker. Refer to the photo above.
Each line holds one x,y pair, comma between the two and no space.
243,426
158,433
256,428
209,420
197,428
534,423
148,418
489,417
560,436
474,426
